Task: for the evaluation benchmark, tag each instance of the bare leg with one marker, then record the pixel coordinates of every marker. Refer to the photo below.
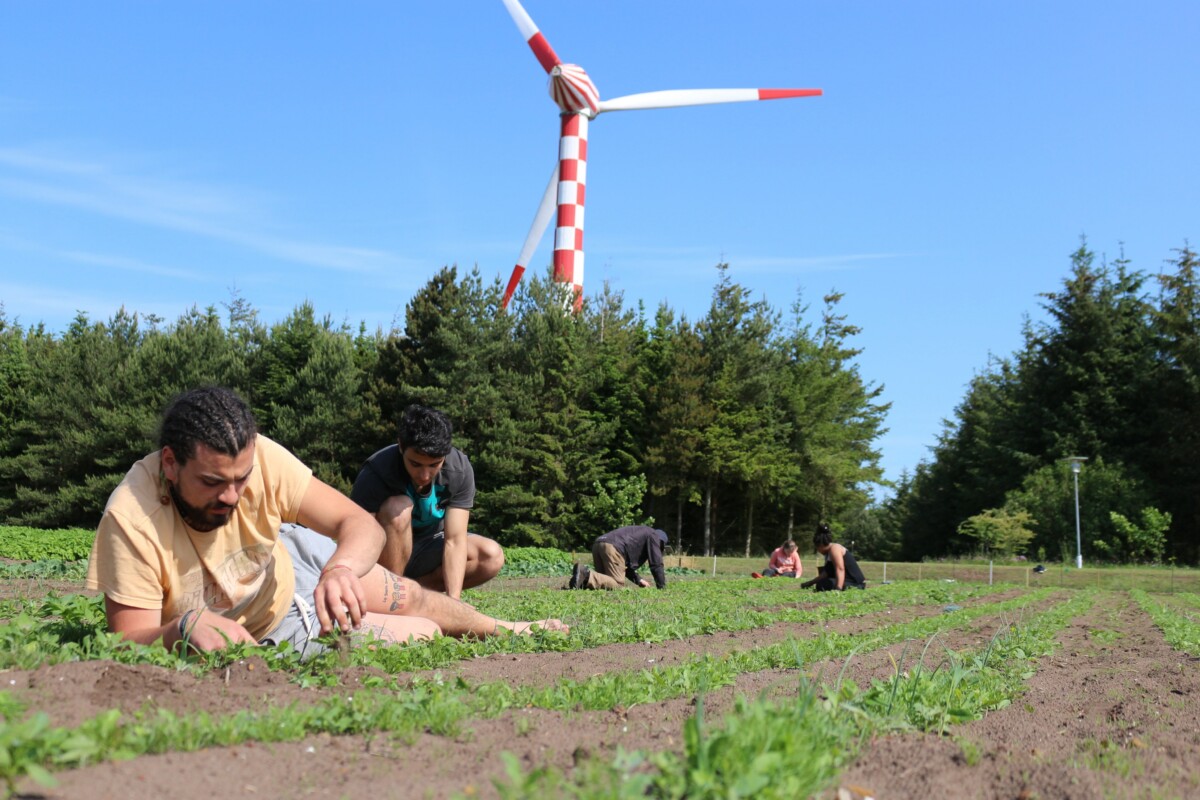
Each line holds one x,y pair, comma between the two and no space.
388,593
391,628
395,515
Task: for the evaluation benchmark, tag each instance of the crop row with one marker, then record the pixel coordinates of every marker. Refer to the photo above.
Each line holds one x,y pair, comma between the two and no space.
32,746
764,750
37,544
71,627
1180,626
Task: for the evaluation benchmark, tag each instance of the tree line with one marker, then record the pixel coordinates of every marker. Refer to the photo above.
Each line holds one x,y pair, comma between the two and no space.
729,431
1111,375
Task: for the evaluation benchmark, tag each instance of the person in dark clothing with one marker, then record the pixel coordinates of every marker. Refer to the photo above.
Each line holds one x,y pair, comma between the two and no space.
421,491
618,554
840,571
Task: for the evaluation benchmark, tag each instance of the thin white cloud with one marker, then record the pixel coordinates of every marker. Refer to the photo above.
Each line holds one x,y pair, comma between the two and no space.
218,214
12,242
38,302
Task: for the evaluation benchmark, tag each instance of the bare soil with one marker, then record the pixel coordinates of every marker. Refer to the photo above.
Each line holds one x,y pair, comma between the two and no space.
1113,713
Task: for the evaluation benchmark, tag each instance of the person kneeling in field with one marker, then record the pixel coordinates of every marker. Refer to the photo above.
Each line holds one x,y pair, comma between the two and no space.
617,556
841,570
785,561
421,491
190,547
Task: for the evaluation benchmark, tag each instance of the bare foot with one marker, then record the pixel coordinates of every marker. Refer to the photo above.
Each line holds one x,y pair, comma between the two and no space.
528,628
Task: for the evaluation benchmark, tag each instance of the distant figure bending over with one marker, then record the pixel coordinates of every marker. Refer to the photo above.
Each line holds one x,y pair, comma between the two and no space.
840,570
618,554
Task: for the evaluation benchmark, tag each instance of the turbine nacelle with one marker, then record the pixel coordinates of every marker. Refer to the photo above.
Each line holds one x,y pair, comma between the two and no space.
573,91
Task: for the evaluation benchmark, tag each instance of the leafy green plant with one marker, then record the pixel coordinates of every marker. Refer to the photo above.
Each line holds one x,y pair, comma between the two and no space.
23,543
1144,543
1001,531
535,561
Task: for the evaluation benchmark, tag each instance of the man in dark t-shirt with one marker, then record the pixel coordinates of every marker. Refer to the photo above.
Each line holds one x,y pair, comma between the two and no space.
617,556
421,490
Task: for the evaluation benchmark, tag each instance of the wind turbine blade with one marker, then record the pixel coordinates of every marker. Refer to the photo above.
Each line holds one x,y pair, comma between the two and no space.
533,37
541,220
674,98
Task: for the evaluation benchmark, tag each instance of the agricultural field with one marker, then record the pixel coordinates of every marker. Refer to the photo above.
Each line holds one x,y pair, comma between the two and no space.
715,687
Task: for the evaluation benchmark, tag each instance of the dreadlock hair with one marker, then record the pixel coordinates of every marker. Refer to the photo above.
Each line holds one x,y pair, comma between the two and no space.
426,430
213,416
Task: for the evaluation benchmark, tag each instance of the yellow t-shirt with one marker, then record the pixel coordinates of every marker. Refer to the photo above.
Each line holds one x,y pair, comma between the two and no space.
146,556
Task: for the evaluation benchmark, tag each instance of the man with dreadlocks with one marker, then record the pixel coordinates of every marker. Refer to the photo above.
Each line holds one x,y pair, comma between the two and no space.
193,546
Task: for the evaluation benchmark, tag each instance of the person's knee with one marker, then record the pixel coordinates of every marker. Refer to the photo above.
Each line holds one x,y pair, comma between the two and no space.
395,512
424,628
490,556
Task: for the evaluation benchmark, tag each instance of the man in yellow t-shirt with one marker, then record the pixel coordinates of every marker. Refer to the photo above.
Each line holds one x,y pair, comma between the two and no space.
190,548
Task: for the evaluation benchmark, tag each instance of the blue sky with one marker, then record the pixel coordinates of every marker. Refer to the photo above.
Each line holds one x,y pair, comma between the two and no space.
160,155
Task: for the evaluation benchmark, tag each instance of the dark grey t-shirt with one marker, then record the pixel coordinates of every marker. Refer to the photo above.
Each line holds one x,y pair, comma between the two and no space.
638,545
384,476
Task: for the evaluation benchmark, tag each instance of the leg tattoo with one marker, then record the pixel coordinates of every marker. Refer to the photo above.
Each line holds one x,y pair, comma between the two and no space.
394,594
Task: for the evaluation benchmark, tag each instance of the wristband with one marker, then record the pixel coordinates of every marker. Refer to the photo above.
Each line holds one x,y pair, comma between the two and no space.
331,568
183,623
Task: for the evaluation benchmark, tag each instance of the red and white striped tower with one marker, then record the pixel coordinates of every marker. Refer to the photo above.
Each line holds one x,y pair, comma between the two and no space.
572,190
579,101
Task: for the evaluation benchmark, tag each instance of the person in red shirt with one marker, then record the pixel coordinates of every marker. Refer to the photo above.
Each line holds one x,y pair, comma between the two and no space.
785,562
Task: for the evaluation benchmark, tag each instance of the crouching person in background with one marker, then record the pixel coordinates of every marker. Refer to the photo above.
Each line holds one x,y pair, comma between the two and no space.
840,571
785,562
618,554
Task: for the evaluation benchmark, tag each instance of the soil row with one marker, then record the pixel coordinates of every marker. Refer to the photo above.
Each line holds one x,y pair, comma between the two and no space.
1114,712
323,766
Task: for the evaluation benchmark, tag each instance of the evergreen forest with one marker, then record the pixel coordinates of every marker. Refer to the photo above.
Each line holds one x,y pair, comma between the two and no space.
727,431
1112,374
731,432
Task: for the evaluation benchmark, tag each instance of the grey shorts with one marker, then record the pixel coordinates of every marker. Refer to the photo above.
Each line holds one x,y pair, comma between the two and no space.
310,551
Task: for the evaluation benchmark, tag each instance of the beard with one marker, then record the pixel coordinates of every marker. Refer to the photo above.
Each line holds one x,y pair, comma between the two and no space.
200,519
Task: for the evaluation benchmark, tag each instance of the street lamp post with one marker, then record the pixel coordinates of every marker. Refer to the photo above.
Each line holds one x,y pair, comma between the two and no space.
1076,468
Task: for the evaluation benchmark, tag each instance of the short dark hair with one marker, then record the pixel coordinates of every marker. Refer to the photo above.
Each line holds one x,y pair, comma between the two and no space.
426,430
823,536
213,416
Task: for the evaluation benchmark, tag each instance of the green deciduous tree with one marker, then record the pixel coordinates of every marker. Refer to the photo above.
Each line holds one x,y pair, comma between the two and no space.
999,531
1141,543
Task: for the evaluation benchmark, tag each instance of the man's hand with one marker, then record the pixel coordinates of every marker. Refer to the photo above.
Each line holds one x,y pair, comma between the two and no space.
205,630
643,583
339,597
208,631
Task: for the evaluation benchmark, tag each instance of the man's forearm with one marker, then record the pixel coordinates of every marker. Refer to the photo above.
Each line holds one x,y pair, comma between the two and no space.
454,566
358,546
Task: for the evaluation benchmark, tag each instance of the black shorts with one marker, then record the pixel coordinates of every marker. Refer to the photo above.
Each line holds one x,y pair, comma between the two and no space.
426,555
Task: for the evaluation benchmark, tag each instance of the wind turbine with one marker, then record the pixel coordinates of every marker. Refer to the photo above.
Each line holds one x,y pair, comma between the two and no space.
579,102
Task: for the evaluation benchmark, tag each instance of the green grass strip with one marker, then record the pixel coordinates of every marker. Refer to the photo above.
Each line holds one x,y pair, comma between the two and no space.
1189,599
1180,629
